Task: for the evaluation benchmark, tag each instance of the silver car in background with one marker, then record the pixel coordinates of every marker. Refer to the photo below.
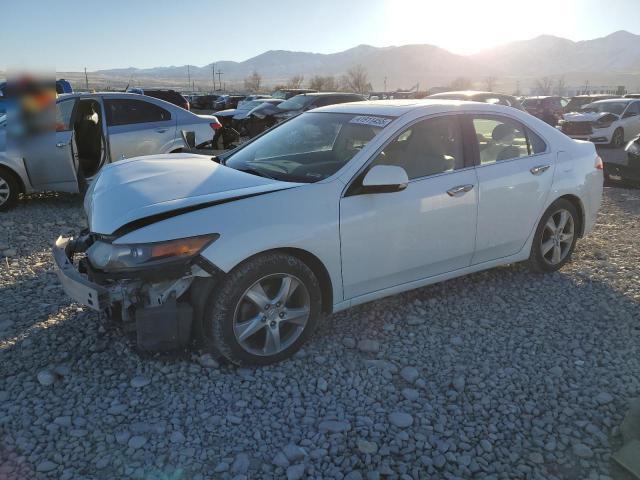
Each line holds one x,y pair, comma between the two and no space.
92,130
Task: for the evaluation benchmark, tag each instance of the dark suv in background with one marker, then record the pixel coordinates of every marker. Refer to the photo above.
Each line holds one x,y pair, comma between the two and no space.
547,108
579,101
484,97
287,93
167,95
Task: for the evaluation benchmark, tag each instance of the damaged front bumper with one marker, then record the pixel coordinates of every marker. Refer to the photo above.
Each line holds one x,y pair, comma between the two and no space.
148,305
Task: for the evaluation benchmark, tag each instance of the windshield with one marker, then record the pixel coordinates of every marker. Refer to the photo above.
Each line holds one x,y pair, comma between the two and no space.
296,103
249,105
606,107
308,148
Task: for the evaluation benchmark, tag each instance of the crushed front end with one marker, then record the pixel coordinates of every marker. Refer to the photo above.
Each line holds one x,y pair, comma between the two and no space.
152,288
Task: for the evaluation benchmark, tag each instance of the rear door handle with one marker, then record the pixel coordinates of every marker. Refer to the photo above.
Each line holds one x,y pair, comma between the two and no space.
61,145
459,190
540,169
161,130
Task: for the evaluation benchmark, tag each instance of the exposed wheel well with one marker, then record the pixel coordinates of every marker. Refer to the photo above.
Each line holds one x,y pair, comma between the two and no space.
318,269
579,207
15,176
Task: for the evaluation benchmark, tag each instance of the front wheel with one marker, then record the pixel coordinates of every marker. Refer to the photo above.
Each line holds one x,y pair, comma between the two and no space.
555,237
265,310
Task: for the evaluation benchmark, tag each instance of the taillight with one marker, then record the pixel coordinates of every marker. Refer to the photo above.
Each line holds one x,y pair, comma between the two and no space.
187,106
599,164
217,125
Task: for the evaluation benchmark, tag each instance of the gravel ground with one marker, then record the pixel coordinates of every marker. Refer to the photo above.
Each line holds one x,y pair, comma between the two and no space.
502,374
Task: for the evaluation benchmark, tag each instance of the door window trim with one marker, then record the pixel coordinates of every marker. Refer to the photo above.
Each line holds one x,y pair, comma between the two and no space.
362,171
109,118
474,141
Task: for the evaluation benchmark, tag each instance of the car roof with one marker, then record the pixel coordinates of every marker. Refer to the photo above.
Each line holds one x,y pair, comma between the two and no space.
397,108
324,94
468,93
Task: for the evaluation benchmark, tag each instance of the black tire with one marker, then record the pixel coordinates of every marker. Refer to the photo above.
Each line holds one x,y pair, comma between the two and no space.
222,309
617,139
540,263
8,180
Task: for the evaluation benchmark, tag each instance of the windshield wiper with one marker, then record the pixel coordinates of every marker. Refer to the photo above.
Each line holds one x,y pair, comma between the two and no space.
256,172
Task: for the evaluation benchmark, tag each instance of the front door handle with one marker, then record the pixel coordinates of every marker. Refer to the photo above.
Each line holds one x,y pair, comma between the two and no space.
459,190
61,145
161,130
540,169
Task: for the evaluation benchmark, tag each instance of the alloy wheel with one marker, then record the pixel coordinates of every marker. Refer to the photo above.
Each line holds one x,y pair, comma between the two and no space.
5,191
557,237
271,314
618,138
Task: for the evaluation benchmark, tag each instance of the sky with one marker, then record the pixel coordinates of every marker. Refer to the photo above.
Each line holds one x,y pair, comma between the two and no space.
69,35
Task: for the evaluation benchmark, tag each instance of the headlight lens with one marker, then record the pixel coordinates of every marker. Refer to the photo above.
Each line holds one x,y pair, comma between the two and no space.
110,257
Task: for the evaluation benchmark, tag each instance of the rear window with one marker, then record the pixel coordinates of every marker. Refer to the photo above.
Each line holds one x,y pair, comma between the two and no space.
171,97
127,112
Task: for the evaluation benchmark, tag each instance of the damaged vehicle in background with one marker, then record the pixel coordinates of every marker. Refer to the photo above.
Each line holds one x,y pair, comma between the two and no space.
484,97
579,101
90,131
235,120
628,174
338,206
605,122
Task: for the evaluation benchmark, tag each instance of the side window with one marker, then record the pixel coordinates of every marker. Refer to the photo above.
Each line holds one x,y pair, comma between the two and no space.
499,139
634,108
536,144
64,110
127,112
427,148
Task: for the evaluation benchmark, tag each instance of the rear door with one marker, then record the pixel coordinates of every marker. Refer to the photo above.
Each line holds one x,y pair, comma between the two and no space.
49,158
631,121
137,127
515,169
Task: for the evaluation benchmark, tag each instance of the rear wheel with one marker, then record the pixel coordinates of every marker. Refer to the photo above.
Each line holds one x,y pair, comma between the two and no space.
617,139
555,237
9,189
265,310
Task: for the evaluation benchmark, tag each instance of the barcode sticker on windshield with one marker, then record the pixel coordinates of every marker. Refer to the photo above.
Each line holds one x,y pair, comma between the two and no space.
369,120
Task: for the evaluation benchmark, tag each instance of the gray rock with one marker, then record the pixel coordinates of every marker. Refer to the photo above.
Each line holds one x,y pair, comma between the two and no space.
322,384
400,419
137,441
369,346
410,394
603,398
140,381
177,437
46,466
439,461
334,426
582,451
459,383
367,447
410,374
414,320
221,467
457,341
349,342
295,472
46,378
207,361
240,464
280,460
294,453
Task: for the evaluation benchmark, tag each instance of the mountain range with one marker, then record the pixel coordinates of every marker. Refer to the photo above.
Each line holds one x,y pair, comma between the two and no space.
610,60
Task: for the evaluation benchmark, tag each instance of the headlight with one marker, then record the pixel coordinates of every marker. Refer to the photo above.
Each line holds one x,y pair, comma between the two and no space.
110,257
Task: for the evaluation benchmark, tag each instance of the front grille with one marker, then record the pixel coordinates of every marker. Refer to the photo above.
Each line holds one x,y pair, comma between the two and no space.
577,128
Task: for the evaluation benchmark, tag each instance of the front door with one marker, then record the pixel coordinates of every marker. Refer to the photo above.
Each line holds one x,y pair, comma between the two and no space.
49,158
515,171
389,239
138,127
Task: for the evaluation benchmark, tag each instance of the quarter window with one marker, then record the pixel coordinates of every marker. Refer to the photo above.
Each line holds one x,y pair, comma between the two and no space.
499,139
426,148
127,112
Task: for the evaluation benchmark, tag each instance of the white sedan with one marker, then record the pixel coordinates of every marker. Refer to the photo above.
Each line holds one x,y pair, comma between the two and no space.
339,206
608,122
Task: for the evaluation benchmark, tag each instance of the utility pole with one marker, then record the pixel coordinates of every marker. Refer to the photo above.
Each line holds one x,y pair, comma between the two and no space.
219,78
188,76
86,79
385,84
213,75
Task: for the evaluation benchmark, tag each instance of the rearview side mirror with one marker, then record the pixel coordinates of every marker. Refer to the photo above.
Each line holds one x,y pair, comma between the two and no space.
385,179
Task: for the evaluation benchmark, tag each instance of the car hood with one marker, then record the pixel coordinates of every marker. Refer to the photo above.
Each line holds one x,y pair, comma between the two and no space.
139,191
587,116
230,112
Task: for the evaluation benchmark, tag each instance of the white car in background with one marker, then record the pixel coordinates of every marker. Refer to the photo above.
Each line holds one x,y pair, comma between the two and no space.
338,206
609,122
92,130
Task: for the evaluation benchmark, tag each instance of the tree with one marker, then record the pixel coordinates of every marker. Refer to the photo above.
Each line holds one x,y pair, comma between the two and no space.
561,86
461,83
252,82
296,81
322,83
490,83
357,80
544,86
